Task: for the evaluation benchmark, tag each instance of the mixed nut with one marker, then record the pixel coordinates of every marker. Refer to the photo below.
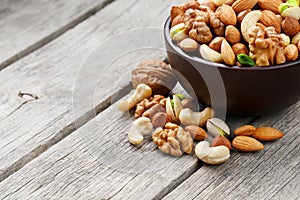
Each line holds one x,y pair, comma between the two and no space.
238,32
175,124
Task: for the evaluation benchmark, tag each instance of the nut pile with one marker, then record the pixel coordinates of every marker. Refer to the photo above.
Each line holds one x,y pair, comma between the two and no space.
175,125
238,32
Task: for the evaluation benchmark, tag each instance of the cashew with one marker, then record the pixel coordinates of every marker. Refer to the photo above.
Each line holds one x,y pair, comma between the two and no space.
140,128
188,117
209,54
142,92
216,127
249,22
212,155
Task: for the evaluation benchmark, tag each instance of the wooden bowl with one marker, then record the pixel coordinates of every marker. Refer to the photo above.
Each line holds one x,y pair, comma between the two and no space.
240,90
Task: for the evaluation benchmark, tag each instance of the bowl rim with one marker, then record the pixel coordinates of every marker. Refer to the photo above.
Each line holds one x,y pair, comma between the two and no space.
179,51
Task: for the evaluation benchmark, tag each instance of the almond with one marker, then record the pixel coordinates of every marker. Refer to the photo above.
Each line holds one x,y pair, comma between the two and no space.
219,141
227,15
247,144
240,5
227,53
245,130
267,134
196,132
268,18
175,11
232,34
270,5
242,14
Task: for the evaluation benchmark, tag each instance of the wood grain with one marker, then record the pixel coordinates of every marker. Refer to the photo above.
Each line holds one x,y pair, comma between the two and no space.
97,162
70,90
272,173
27,25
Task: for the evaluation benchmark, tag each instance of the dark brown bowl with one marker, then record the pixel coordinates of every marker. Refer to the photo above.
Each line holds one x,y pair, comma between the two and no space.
240,90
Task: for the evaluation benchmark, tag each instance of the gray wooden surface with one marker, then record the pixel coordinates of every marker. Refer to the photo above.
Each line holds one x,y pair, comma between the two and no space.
26,25
78,63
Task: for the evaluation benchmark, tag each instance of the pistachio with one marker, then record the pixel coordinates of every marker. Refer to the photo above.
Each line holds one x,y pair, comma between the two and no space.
216,127
188,45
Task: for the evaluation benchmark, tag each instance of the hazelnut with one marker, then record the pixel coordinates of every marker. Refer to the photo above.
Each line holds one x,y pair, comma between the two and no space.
242,14
239,48
290,25
156,74
232,34
291,52
215,44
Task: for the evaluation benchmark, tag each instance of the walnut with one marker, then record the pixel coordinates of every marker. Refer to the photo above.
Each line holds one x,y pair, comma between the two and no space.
173,140
156,74
266,46
200,32
149,107
216,24
190,16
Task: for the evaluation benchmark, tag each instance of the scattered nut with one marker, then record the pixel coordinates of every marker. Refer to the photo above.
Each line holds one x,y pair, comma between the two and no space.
160,119
188,117
150,106
246,130
174,113
291,52
239,48
211,155
156,74
290,26
142,92
140,128
215,44
219,141
267,134
227,53
247,144
216,127
227,15
196,132
188,45
232,34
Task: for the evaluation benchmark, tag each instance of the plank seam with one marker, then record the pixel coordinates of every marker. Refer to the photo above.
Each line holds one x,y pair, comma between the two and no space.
52,36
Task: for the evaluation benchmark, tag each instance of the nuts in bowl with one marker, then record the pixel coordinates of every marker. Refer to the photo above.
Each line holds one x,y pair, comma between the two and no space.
258,65
238,32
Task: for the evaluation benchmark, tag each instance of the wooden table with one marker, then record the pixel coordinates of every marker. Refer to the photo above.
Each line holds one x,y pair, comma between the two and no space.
61,135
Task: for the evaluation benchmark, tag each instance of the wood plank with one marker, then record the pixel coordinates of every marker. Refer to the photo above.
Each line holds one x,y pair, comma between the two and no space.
97,162
55,74
27,25
272,173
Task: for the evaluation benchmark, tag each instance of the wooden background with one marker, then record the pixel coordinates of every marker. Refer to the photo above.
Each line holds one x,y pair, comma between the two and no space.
70,142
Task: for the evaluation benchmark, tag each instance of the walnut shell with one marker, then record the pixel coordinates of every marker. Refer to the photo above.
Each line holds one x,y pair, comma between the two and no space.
156,74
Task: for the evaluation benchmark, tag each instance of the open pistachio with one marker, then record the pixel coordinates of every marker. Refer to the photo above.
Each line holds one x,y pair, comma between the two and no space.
292,12
216,127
